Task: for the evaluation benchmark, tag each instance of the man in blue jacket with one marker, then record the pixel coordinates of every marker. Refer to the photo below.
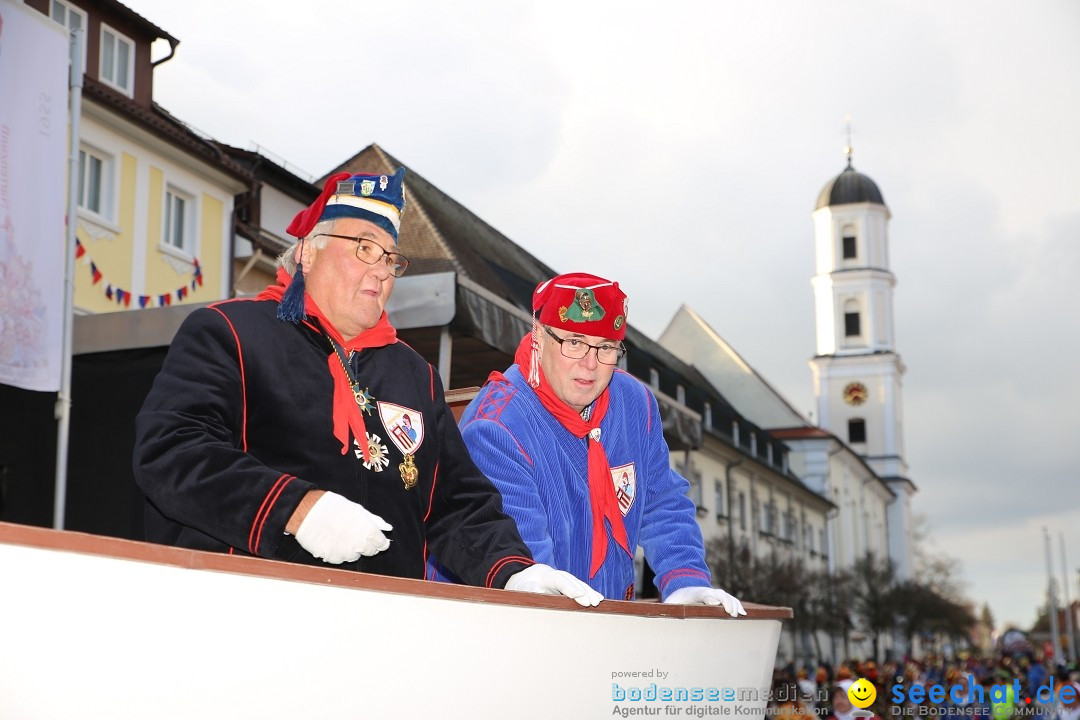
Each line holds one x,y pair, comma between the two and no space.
577,450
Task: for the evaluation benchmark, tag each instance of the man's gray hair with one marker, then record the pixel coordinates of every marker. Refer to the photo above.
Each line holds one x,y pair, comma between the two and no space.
287,259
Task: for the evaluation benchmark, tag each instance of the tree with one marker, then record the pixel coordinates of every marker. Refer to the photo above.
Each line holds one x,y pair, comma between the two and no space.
872,593
920,608
731,566
935,570
986,617
828,605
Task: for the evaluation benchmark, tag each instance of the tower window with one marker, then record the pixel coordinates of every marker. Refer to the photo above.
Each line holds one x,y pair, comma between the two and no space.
849,247
851,324
856,430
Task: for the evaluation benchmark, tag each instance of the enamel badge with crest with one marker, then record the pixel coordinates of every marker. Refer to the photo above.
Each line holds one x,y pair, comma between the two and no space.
625,480
404,426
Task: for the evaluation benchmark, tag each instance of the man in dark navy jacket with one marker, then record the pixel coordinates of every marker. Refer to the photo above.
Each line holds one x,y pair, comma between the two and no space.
295,426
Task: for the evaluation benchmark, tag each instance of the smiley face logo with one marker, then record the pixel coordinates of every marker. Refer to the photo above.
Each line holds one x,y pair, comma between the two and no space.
862,693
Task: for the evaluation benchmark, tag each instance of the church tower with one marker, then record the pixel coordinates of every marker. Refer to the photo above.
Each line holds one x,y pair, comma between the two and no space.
857,371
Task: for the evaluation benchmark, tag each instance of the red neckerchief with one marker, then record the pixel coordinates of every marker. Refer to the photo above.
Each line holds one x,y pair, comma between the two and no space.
601,489
347,415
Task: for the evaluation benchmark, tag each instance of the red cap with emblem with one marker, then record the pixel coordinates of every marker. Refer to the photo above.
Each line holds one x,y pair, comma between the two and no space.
582,303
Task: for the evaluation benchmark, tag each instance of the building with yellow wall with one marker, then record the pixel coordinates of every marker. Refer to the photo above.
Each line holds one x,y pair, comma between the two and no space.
155,199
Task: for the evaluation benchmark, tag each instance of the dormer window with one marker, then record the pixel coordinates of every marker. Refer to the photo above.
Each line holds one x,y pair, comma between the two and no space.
117,61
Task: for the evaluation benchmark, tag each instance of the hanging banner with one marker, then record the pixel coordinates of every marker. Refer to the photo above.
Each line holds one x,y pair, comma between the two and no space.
33,196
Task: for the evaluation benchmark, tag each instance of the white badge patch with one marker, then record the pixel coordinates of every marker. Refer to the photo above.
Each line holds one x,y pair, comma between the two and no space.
405,426
377,452
625,480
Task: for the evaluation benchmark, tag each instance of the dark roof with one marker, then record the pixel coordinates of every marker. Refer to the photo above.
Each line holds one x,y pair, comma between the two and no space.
161,123
849,187
266,169
150,28
439,234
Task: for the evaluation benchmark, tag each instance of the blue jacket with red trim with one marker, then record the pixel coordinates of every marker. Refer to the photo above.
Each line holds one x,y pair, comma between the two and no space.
541,469
238,427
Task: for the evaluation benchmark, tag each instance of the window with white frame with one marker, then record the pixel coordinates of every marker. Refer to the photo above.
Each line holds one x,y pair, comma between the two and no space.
179,220
95,182
720,502
117,61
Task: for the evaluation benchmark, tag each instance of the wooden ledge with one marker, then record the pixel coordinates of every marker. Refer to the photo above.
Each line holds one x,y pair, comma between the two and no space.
100,545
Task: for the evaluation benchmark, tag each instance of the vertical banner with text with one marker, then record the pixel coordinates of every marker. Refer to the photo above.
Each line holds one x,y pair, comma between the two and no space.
33,196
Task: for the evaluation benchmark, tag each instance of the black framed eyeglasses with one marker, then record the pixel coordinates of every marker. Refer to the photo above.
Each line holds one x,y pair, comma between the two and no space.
576,349
371,252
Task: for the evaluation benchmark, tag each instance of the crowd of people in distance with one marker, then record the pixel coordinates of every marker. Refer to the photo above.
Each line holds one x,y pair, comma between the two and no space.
993,688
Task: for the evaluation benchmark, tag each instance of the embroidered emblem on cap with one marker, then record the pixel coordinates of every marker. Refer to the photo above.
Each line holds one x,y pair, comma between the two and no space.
625,480
367,187
383,180
378,453
584,309
618,322
404,426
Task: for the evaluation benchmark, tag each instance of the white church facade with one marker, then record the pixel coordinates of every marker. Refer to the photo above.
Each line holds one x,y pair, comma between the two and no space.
857,371
853,456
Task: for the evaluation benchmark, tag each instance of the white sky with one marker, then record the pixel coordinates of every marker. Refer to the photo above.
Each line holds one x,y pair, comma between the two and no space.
679,148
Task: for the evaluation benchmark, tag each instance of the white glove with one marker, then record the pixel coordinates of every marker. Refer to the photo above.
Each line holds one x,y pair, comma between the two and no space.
706,596
338,530
546,580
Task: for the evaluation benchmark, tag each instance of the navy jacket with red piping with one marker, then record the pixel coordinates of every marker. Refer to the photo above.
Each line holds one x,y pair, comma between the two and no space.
238,427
